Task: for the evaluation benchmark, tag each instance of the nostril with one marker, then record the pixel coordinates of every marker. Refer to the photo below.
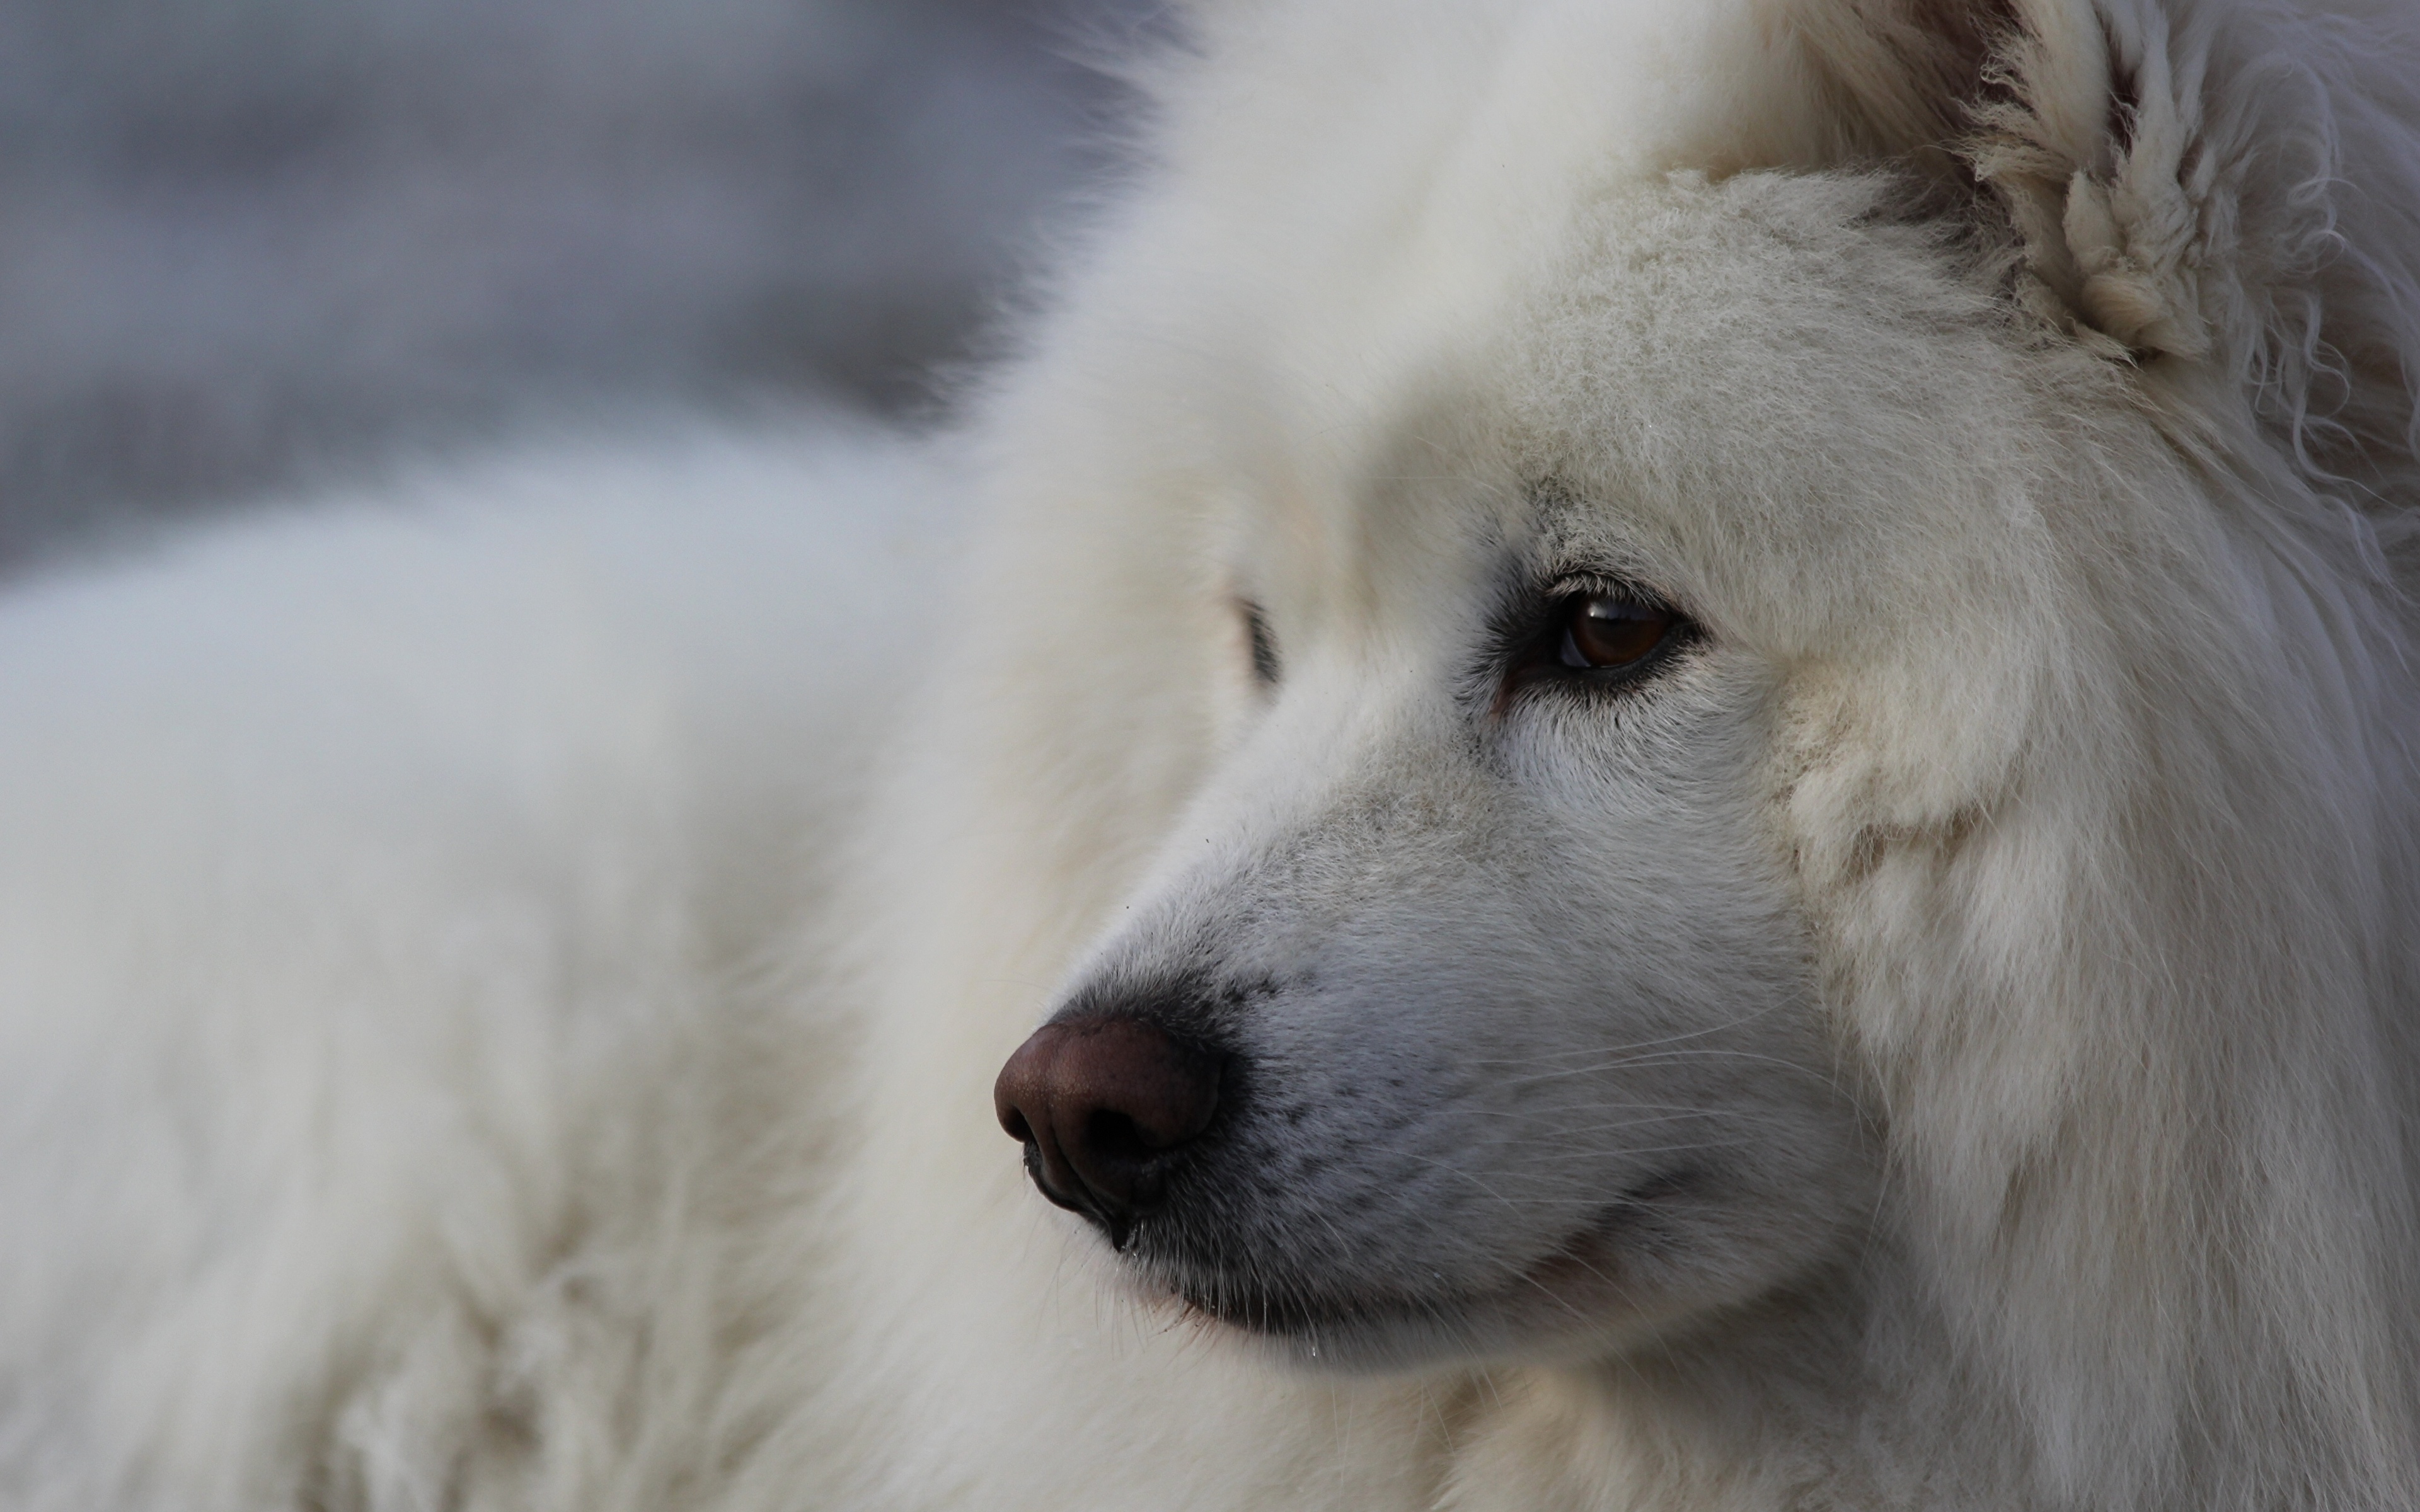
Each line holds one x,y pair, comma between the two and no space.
1113,1136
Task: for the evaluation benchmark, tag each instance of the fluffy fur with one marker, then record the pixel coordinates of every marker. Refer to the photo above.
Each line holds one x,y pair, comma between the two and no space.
500,1005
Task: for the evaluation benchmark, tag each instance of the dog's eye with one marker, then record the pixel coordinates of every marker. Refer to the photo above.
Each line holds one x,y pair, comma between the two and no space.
1591,639
1606,631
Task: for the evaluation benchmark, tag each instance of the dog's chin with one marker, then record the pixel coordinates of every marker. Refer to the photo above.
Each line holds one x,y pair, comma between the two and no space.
1567,1306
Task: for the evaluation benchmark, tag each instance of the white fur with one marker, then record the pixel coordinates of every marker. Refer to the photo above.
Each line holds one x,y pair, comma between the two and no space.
500,1006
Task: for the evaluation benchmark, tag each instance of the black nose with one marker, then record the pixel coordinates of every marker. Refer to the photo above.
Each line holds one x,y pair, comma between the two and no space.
1098,1103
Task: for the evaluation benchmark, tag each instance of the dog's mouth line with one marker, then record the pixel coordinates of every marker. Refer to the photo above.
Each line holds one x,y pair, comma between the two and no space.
1288,1314
1585,1257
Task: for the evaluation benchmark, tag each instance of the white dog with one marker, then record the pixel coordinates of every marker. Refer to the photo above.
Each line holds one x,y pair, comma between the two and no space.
1694,725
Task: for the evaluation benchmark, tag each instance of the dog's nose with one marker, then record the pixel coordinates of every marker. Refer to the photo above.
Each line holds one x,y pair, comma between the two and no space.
1097,1103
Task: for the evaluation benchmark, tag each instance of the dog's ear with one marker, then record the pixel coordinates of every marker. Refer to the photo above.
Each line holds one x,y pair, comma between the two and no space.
2072,116
2096,145
2233,189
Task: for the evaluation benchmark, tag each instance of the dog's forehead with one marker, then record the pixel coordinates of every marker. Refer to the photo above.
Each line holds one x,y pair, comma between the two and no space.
1723,385
1768,359
1562,273
1352,332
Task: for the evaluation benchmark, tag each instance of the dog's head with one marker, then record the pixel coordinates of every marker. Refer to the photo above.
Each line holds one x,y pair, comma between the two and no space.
1471,1008
1723,616
1473,1004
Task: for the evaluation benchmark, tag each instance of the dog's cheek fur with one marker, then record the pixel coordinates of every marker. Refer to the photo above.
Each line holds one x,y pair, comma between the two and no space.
2006,772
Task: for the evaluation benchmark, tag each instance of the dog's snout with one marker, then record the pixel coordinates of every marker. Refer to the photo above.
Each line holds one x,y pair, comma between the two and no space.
1099,1103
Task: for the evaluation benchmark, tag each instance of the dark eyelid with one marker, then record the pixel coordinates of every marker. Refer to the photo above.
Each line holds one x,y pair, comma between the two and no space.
1265,665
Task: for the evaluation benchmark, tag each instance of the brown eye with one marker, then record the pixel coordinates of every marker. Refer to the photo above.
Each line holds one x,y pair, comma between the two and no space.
1608,630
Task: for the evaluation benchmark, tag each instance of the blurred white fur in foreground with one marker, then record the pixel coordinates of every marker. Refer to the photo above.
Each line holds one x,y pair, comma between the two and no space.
368,868
501,982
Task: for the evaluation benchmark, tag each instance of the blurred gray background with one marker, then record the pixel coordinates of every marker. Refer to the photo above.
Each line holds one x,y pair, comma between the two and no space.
245,242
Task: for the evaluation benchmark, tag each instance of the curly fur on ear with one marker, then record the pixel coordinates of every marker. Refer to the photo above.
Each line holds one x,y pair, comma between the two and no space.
2238,197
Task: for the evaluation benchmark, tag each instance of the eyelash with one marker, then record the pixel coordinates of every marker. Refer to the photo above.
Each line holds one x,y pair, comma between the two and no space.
1267,667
